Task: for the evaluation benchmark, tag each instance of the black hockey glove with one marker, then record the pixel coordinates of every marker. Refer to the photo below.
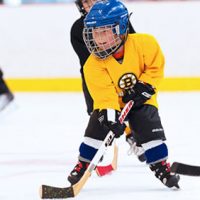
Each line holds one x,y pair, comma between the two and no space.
140,93
108,118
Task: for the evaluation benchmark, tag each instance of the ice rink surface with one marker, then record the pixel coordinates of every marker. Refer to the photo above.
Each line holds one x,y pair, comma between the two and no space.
40,139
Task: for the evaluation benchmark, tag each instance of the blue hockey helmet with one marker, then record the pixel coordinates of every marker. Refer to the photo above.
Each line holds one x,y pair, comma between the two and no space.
106,14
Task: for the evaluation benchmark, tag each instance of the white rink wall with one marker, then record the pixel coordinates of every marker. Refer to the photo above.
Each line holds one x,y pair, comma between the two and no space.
35,39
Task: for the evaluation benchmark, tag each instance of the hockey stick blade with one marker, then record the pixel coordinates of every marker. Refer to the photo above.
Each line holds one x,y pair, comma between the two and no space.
185,169
104,170
51,192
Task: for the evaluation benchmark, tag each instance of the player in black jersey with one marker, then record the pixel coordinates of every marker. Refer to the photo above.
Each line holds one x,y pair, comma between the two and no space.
6,96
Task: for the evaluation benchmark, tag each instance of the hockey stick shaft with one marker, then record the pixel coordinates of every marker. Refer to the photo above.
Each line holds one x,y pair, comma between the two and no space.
185,169
50,192
103,170
109,138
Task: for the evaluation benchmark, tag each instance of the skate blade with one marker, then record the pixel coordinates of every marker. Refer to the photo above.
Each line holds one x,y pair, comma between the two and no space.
8,110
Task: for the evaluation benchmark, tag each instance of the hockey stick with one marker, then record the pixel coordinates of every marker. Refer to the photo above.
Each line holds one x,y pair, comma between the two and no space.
103,170
185,169
50,192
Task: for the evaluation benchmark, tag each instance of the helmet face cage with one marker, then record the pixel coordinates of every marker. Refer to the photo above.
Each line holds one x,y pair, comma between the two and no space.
103,41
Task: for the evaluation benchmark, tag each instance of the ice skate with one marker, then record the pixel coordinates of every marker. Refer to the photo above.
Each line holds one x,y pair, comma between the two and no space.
5,100
163,172
77,172
137,150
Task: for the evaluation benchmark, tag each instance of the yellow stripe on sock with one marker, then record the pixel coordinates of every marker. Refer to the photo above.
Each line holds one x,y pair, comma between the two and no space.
127,130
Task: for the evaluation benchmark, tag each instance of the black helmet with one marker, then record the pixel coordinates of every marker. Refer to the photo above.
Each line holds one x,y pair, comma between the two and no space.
79,4
80,7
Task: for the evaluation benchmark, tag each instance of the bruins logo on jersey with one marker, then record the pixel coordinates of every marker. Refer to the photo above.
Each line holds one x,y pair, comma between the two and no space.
127,81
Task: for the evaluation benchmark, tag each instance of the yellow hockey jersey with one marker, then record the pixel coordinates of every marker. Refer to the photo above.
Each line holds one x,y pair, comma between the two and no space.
107,79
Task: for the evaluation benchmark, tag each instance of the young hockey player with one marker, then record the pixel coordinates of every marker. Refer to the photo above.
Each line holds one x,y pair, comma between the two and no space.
83,53
6,96
122,67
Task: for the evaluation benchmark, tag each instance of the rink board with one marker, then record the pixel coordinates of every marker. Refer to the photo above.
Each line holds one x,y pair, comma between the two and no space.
74,84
